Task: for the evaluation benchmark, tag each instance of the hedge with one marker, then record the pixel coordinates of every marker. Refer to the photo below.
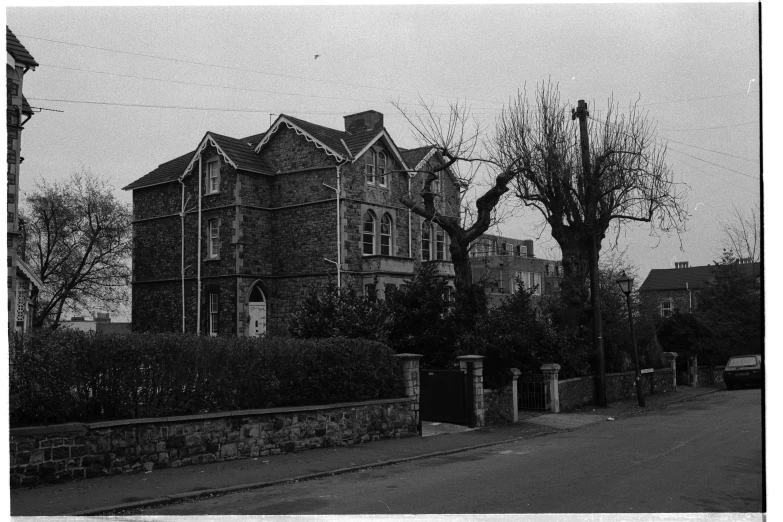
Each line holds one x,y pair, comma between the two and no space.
74,376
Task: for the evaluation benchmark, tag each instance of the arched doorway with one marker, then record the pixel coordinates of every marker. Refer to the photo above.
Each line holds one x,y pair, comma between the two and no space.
257,306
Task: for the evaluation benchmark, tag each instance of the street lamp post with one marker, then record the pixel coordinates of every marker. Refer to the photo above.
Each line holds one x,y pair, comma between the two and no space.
626,285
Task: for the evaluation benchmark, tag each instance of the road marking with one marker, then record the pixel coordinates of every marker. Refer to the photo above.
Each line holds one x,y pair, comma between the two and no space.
678,446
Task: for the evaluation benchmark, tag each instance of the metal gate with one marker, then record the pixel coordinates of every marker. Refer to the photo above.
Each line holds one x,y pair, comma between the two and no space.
444,396
533,391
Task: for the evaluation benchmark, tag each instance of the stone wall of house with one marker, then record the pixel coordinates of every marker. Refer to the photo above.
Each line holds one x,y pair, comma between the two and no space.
581,391
149,316
287,151
72,451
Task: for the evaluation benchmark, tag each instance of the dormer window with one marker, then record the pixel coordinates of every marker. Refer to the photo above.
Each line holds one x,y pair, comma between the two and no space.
213,176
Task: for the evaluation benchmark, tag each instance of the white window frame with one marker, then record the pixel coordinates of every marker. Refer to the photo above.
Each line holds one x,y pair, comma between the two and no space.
667,308
387,237
213,314
213,176
369,168
213,237
440,244
426,227
370,234
380,169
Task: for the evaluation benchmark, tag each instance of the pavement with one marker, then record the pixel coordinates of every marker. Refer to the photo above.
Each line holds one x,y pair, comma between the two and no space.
130,494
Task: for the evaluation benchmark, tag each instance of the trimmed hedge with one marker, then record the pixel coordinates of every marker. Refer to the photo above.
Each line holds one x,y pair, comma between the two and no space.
74,376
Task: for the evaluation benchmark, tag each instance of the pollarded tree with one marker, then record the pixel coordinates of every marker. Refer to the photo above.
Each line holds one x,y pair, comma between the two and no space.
78,240
540,140
456,139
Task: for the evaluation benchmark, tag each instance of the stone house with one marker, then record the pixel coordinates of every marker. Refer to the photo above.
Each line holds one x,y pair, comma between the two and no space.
501,260
23,283
228,238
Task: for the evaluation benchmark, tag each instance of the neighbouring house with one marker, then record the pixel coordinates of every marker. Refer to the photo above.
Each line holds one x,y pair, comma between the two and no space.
228,238
23,283
502,261
667,289
100,323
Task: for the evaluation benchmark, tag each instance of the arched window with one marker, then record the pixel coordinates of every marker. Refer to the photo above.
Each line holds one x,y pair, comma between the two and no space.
368,234
381,170
369,167
426,241
440,244
386,235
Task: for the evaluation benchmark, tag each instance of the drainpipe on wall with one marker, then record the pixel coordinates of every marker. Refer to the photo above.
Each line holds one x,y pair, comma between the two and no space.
410,229
198,254
182,248
690,298
339,232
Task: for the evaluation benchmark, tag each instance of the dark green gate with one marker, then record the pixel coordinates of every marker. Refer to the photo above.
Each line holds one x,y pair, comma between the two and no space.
445,396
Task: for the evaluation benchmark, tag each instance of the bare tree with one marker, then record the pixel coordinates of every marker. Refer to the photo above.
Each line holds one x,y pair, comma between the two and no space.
79,243
633,184
742,235
456,138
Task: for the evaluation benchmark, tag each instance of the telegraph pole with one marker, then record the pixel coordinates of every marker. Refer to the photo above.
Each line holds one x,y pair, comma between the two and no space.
591,219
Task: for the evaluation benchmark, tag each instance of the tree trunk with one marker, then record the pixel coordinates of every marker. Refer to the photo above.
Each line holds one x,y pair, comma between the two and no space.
574,287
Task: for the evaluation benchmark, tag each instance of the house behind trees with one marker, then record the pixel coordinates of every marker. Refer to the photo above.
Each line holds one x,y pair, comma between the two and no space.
504,262
228,238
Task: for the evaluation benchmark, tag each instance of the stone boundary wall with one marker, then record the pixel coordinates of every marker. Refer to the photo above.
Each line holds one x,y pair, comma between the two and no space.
704,375
72,451
581,391
717,374
498,406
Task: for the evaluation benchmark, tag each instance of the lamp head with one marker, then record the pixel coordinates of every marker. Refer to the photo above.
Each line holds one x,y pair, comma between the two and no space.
626,283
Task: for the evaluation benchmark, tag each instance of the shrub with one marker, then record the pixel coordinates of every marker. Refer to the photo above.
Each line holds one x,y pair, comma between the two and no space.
69,375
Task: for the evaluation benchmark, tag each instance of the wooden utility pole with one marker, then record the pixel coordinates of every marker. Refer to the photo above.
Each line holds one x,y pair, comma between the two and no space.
591,193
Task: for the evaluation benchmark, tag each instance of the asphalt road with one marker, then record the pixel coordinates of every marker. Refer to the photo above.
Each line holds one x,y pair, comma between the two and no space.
702,455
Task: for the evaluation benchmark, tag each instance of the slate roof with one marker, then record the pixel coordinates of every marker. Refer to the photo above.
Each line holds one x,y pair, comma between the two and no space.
239,150
242,154
169,171
675,278
329,137
414,156
15,48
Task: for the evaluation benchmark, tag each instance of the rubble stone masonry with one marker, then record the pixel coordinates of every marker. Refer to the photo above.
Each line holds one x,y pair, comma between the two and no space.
73,451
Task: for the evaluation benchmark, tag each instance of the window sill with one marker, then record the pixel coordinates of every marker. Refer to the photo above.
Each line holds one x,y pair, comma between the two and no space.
208,259
211,194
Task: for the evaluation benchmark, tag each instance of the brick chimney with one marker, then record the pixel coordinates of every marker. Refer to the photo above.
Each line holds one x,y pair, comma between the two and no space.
680,264
363,122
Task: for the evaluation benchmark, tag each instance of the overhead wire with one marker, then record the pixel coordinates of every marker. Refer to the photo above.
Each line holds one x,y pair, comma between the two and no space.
681,152
245,69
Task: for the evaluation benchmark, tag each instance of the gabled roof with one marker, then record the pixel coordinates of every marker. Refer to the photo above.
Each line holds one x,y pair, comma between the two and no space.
676,278
326,139
239,153
339,144
15,48
414,157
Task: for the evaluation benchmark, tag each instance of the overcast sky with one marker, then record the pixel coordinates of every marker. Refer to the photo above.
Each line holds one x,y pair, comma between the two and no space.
695,67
